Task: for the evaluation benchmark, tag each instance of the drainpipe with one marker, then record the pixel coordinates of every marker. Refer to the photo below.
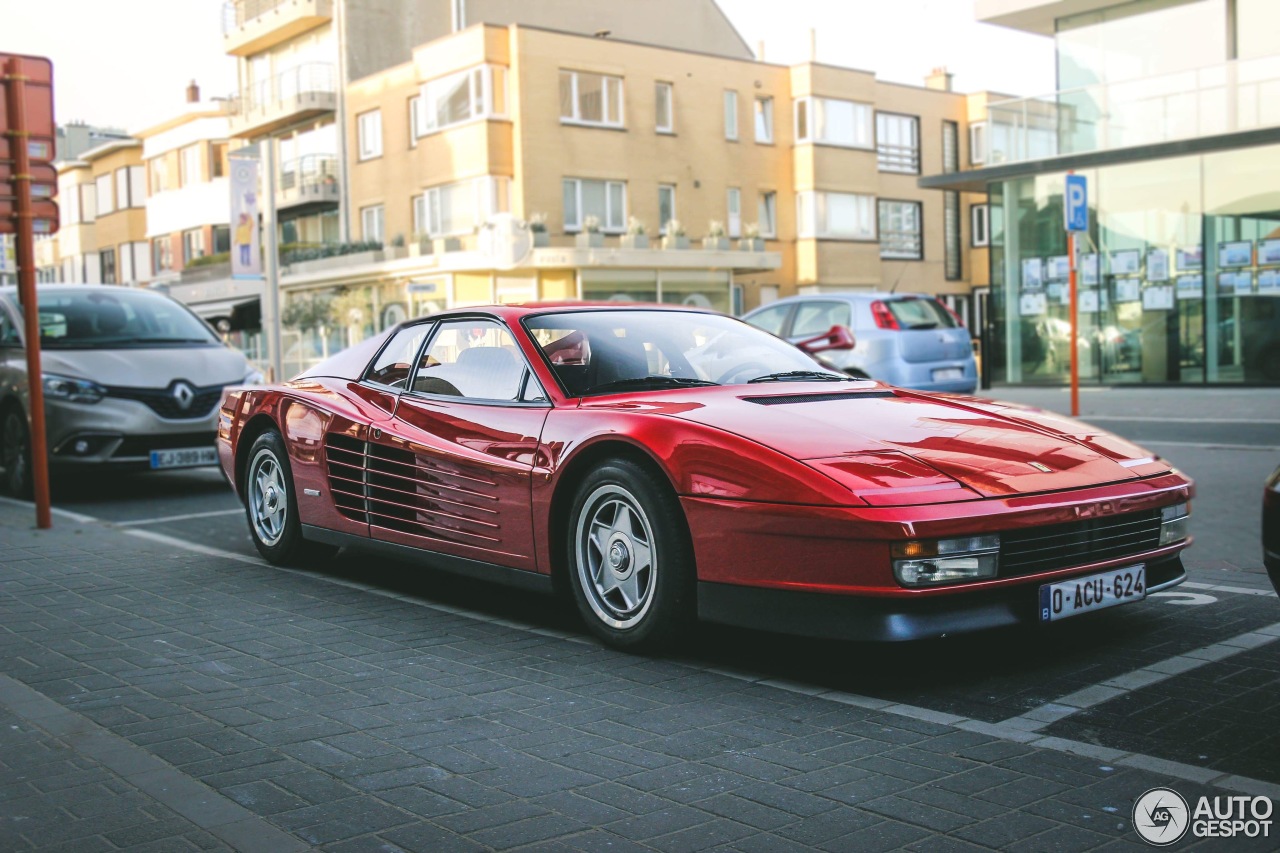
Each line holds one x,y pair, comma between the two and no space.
344,177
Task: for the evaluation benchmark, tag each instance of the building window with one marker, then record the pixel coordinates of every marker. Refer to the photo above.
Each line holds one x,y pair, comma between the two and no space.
731,115
369,132
192,245
951,235
122,188
979,224
459,208
605,200
88,202
977,143
102,186
126,263
666,206
833,122
159,174
415,120
838,216
130,187
950,147
476,93
664,107
733,209
221,239
898,143
372,222
218,160
768,212
161,255
420,215
189,165
764,120
900,237
592,99
107,266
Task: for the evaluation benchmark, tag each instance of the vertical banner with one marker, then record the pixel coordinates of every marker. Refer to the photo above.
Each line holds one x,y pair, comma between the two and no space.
246,252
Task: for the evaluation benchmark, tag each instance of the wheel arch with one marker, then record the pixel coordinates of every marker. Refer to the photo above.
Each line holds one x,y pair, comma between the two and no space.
574,471
256,426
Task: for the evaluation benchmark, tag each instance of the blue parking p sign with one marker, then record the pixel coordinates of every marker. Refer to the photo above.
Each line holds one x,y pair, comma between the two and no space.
1076,202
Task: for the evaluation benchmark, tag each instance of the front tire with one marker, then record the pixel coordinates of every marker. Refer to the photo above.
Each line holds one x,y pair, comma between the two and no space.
15,454
271,506
631,562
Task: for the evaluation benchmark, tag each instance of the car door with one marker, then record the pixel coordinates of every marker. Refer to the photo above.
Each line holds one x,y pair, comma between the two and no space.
452,470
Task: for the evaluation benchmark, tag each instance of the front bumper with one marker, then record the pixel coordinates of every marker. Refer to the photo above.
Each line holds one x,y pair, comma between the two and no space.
866,619
115,432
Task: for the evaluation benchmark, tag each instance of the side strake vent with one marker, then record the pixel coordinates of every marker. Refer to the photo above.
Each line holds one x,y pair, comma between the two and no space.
397,489
788,399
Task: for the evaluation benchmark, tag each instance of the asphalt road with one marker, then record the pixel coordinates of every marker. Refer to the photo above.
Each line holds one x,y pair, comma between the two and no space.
1015,677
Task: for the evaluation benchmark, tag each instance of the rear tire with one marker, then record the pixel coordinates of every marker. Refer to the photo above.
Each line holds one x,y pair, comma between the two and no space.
271,506
15,453
631,562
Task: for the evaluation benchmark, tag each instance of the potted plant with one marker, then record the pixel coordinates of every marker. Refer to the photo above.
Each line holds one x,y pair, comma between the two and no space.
715,240
538,227
635,238
675,237
439,245
751,240
590,236
419,244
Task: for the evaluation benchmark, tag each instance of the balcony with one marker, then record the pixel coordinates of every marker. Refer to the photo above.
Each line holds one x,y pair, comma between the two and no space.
310,180
1233,97
304,92
252,26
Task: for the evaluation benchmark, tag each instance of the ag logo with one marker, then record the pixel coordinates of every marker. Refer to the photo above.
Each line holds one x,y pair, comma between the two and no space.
1161,816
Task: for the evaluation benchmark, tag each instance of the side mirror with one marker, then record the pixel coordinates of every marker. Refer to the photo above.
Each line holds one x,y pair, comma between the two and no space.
835,338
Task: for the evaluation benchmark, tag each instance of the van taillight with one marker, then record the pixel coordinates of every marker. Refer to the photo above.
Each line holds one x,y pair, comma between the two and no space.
883,316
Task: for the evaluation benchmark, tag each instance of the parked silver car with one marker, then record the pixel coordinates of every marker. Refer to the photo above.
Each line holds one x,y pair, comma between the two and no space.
131,378
906,339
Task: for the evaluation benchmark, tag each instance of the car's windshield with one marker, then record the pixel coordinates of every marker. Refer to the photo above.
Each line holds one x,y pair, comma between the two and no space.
108,319
598,352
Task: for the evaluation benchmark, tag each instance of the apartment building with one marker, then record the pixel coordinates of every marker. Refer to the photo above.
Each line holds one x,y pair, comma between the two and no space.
102,206
1169,109
188,197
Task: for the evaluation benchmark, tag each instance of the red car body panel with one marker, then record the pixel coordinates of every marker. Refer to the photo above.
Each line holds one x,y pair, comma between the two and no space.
780,492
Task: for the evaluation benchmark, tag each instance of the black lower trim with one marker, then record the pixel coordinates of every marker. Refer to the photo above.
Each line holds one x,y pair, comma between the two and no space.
845,617
447,562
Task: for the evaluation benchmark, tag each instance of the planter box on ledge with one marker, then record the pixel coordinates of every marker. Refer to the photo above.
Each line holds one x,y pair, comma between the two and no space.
749,244
589,240
715,244
541,239
441,245
675,242
635,241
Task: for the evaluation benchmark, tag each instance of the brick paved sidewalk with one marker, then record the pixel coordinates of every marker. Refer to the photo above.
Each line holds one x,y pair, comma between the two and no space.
157,699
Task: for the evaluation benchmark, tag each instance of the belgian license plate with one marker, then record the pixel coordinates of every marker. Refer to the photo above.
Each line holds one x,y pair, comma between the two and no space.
1093,592
944,373
187,457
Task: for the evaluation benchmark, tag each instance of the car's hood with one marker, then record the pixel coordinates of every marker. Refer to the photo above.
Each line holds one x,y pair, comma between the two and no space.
992,450
148,368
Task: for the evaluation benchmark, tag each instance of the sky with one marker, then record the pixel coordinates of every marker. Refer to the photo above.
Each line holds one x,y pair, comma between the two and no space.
127,63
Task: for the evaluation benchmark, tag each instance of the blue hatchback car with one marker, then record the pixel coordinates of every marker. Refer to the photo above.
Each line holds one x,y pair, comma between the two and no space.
906,339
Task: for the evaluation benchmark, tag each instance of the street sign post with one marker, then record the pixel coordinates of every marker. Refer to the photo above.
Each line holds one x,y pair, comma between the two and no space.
28,183
1075,200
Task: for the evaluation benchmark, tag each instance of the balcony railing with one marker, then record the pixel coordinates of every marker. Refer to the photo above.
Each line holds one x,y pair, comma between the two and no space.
307,89
308,171
1228,98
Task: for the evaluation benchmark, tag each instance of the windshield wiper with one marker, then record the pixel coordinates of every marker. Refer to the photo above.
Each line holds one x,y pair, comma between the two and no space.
650,382
800,376
914,326
141,340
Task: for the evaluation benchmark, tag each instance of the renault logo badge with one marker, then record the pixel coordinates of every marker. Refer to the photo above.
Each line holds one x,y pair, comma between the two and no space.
183,394
1045,469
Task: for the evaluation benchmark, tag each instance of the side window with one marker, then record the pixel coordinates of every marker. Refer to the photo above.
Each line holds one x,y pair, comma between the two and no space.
475,359
815,318
771,319
395,362
8,332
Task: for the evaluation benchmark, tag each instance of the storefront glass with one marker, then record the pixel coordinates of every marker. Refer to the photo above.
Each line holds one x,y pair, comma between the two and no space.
1179,275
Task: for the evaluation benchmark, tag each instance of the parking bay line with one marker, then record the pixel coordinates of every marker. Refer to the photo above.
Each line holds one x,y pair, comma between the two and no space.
1024,734
165,519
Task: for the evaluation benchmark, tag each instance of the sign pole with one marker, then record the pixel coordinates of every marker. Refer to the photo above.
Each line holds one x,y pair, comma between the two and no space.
1075,325
1075,215
15,81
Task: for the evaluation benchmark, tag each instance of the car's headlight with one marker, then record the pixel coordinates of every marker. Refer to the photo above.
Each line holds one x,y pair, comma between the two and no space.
75,390
1173,523
253,377
939,561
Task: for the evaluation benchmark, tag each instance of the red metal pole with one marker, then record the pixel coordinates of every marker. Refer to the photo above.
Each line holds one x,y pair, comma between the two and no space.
25,240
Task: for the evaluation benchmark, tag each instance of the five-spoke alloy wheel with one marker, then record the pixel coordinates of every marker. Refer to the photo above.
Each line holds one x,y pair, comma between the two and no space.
272,506
632,567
